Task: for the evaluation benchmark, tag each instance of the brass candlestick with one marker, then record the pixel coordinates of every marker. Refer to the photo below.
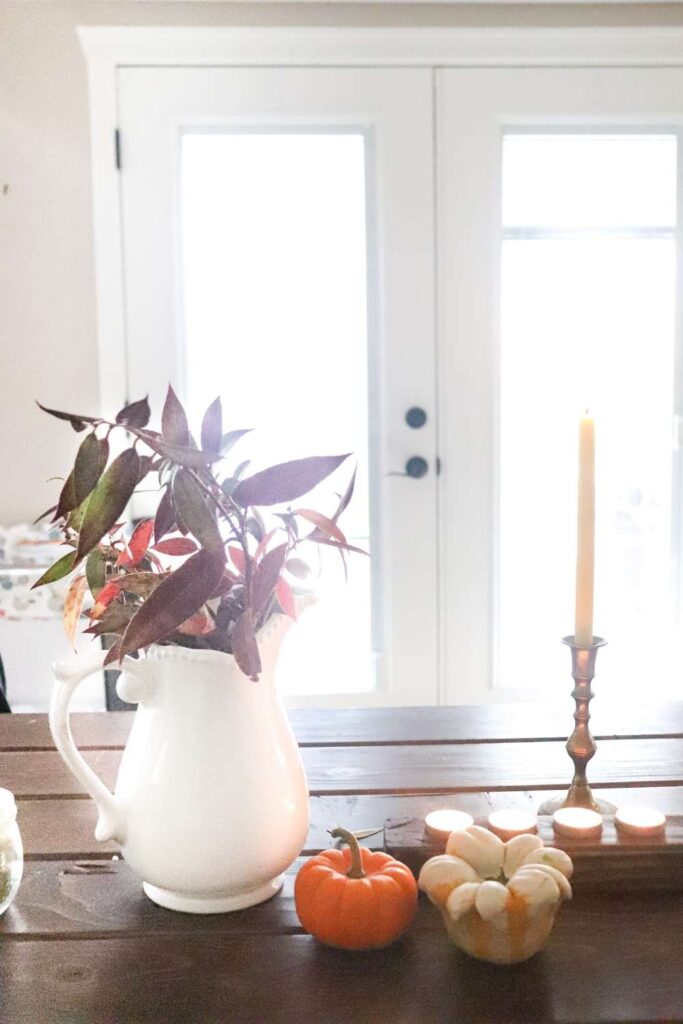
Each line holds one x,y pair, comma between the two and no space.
581,746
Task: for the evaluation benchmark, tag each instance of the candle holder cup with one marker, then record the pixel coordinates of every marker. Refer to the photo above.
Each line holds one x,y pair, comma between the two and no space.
581,746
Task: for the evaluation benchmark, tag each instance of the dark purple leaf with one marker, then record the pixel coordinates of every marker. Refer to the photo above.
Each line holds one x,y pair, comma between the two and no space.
140,583
135,415
164,521
77,422
190,457
244,647
174,428
67,499
212,427
177,597
193,509
44,515
108,500
91,460
287,481
230,439
265,577
114,619
298,568
61,568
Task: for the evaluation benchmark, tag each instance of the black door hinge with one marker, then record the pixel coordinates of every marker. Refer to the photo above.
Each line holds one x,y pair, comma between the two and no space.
117,149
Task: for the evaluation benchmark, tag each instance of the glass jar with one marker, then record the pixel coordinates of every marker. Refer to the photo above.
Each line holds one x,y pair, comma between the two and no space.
11,850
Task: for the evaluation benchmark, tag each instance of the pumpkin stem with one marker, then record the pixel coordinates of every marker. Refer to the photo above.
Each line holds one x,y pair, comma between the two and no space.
356,869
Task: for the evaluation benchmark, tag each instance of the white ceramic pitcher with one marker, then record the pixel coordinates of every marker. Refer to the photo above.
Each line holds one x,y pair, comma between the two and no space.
211,801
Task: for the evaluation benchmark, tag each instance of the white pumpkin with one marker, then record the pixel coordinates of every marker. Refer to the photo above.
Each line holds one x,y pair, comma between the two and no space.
498,900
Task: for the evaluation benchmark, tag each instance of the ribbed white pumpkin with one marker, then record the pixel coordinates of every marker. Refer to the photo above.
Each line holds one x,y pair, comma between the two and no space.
498,900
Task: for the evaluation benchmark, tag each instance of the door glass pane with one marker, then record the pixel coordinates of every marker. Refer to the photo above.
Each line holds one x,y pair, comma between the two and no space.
587,321
273,252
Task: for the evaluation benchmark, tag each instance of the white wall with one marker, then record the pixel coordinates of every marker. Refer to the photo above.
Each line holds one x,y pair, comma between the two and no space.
47,304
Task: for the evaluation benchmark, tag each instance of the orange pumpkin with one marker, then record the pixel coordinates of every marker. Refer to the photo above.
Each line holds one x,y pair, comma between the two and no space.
355,898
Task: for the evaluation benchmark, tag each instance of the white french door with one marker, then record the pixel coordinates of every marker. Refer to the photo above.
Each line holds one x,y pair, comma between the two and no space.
559,281
278,249
323,244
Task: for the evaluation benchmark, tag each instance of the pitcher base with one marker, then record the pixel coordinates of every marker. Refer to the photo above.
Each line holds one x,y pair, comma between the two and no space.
212,904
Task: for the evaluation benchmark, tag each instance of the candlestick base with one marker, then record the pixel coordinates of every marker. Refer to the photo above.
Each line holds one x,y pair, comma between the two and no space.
581,746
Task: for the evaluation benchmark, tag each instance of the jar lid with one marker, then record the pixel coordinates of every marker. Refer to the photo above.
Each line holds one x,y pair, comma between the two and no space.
8,808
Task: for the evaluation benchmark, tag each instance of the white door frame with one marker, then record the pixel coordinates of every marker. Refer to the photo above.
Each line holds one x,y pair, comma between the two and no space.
109,48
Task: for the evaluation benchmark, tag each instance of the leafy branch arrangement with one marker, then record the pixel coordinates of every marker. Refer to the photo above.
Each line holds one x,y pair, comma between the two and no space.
228,570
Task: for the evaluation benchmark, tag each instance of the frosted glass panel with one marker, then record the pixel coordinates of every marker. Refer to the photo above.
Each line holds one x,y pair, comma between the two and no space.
573,181
273,247
587,322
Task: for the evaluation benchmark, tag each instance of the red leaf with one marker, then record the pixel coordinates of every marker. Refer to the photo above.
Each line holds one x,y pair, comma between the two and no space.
285,482
174,428
322,523
177,597
176,546
198,624
212,427
139,543
244,647
237,556
285,598
104,599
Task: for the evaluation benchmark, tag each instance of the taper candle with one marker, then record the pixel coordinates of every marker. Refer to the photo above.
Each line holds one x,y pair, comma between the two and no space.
585,535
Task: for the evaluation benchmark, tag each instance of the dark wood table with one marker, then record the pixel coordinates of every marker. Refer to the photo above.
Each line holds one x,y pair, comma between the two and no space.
82,945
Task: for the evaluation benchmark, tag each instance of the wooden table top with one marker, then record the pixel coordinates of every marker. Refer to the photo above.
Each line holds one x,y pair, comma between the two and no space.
82,945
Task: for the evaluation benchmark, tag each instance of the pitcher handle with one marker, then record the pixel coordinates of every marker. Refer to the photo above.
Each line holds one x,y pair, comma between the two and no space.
68,675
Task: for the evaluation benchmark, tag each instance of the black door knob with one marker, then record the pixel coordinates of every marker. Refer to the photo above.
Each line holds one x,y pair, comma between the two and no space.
416,417
416,467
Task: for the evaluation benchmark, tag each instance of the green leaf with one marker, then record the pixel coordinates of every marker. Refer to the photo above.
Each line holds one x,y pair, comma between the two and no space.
195,513
177,597
212,427
108,500
91,460
174,427
96,570
61,568
286,481
136,414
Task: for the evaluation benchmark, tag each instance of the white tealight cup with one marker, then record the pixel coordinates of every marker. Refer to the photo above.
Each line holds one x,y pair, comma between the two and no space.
440,824
640,821
509,823
577,822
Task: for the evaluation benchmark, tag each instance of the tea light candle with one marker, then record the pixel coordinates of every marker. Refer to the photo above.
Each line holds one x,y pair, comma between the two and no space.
440,824
640,821
577,822
507,824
